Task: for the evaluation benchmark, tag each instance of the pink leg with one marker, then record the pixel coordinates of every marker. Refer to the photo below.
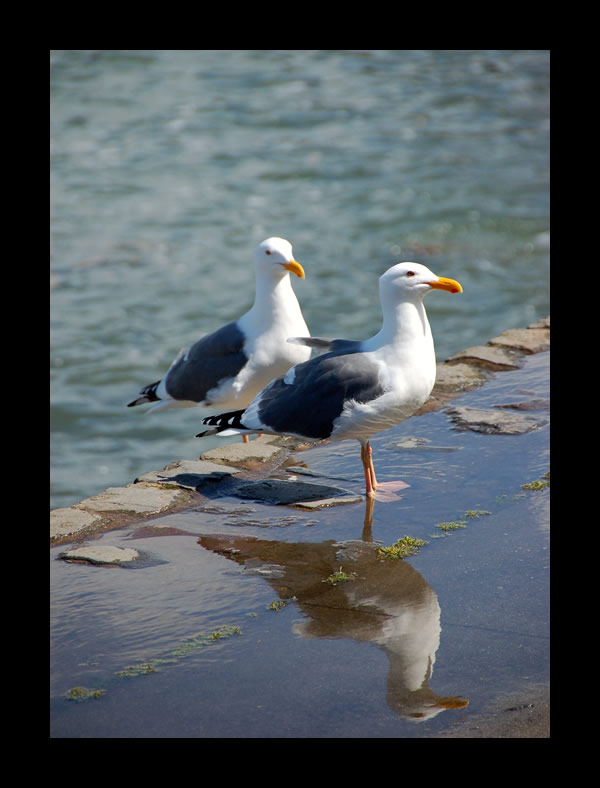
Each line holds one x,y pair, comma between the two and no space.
367,460
246,438
384,491
374,482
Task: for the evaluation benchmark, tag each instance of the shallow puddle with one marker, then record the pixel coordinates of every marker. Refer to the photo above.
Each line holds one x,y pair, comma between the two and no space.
248,620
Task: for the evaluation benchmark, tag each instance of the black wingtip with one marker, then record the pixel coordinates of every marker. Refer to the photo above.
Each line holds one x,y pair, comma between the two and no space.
148,395
138,401
221,422
215,431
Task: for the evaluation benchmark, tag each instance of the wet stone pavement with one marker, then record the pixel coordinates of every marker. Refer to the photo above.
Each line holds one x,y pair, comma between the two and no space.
272,601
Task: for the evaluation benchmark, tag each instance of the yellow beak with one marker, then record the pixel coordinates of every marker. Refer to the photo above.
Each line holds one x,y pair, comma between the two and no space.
295,268
451,285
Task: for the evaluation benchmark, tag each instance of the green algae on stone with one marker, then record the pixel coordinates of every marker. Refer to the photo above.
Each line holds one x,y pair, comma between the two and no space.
277,604
408,545
188,646
83,693
140,669
538,484
225,632
202,639
453,526
340,577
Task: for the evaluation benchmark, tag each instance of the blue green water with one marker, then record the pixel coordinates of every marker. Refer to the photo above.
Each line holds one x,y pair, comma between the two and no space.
169,166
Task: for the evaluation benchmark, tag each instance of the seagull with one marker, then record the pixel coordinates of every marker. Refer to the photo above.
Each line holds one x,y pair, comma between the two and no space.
356,389
228,368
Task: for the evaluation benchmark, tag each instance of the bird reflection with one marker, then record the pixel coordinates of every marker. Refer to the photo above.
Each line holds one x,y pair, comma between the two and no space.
388,603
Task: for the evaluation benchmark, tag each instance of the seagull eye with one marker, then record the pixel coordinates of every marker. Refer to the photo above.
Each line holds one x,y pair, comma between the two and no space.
410,273
267,251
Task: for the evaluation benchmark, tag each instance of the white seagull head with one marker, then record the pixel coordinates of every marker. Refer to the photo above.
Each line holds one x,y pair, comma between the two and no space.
275,256
410,281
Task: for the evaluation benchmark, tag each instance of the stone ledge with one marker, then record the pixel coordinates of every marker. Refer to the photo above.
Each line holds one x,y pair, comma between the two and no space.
525,340
261,449
186,473
457,377
487,357
140,498
101,555
64,522
494,422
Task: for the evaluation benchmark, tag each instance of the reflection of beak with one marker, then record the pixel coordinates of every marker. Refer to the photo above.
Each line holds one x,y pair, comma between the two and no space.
451,285
295,268
454,702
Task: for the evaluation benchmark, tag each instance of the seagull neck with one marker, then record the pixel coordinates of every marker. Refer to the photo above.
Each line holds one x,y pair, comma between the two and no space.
274,300
406,322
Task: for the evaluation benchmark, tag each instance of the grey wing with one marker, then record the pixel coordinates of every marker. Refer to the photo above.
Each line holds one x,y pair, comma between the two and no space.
209,361
321,343
309,404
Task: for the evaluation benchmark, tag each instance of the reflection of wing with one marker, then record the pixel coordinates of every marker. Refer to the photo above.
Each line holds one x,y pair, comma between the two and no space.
388,603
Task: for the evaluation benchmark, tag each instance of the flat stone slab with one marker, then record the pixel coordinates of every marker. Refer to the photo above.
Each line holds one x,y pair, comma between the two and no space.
495,358
101,554
69,521
286,493
527,340
258,449
494,422
139,498
457,377
188,474
538,403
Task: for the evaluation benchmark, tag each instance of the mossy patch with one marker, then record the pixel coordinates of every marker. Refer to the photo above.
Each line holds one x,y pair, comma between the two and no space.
340,577
538,484
83,693
183,649
453,526
402,548
277,604
140,669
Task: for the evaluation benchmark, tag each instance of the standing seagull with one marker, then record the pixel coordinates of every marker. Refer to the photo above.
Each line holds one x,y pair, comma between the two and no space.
229,367
358,388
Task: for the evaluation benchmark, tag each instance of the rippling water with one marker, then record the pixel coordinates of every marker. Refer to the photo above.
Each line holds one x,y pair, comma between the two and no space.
169,166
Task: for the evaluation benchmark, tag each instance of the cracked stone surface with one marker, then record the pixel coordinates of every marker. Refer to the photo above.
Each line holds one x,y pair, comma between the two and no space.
187,473
494,422
457,377
139,498
69,521
101,554
527,340
486,356
259,449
